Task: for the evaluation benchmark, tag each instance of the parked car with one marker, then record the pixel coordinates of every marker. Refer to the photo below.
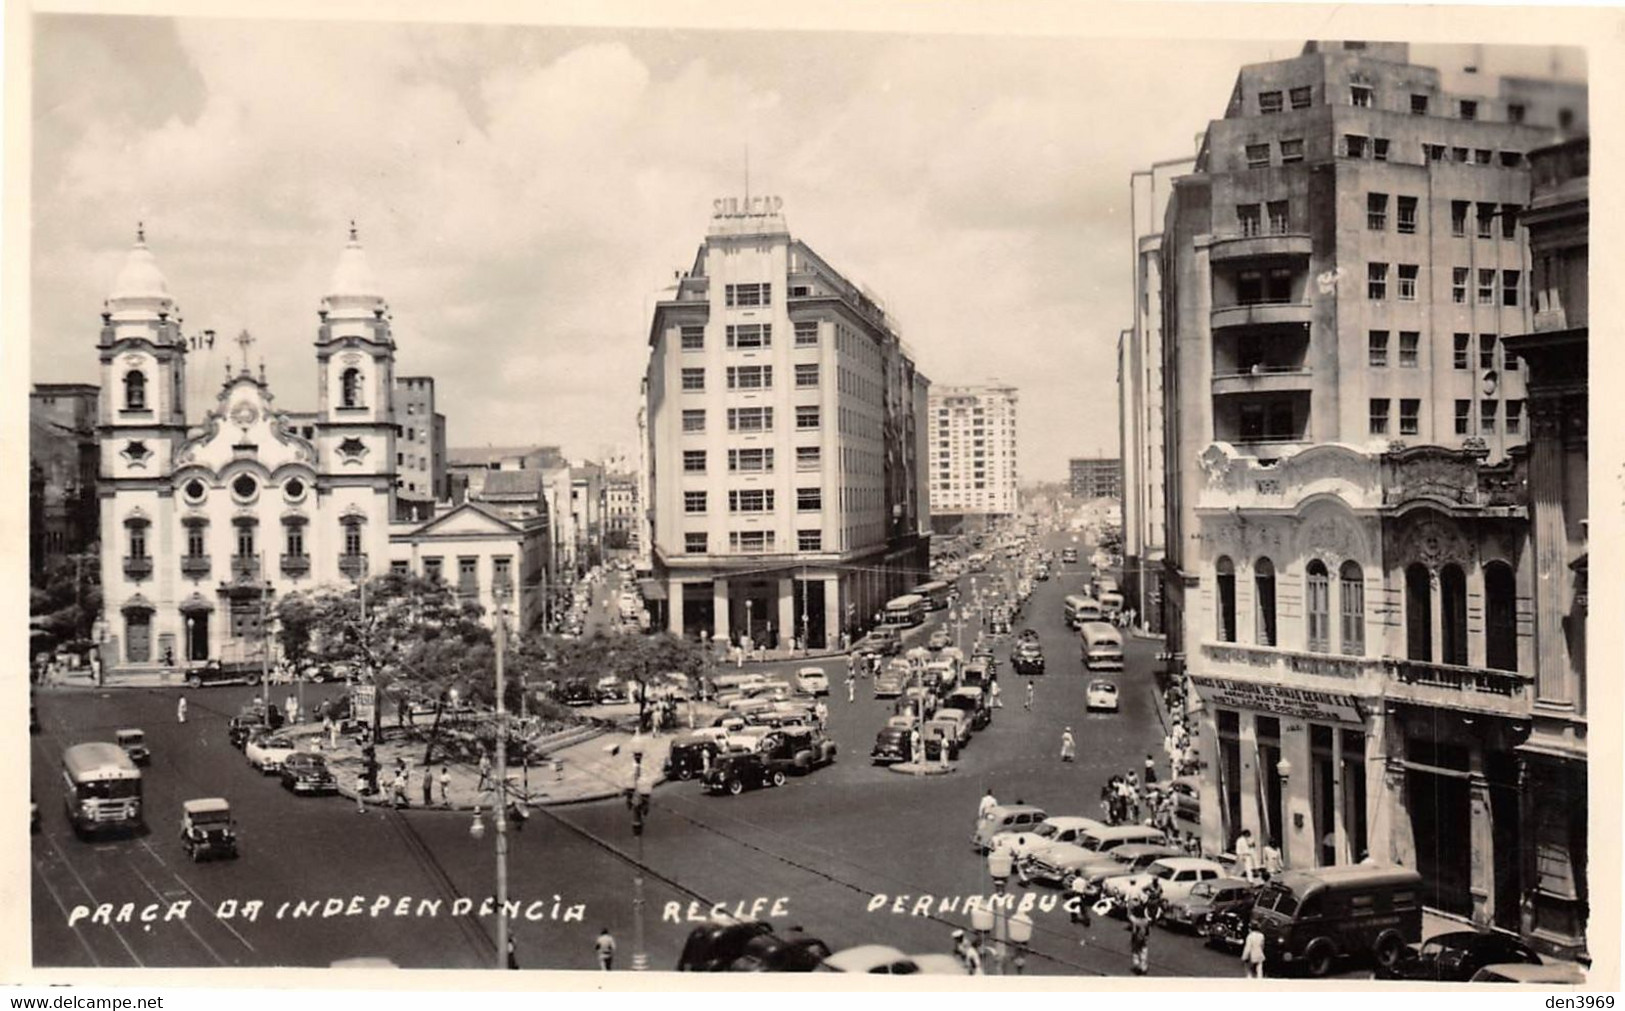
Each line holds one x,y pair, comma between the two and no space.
889,683
972,703
1049,832
267,751
735,772
207,829
1187,796
1455,957
872,958
1102,697
940,639
884,641
1176,875
749,947
956,719
1126,860
1312,918
891,745
577,692
134,743
812,681
1002,818
1550,974
689,756
1208,899
611,690
304,772
798,750
241,728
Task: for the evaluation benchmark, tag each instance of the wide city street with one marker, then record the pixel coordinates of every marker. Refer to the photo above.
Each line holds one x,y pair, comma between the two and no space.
853,853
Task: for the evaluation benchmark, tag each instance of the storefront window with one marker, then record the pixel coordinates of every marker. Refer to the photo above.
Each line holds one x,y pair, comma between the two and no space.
1354,822
1229,727
1323,794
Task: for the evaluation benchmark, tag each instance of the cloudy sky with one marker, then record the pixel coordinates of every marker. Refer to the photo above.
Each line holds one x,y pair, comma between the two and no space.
524,193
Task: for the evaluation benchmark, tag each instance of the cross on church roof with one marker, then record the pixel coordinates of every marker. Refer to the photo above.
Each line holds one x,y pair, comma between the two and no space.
245,340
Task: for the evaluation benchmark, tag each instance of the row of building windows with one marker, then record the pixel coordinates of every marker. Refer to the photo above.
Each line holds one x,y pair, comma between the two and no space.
1410,411
1356,145
752,541
1364,96
1376,216
1377,342
749,336
748,295
754,500
752,460
1489,278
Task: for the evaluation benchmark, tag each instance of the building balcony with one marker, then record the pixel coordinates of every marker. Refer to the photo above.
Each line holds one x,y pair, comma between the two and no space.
1448,686
1259,314
245,568
138,568
195,566
1263,379
295,565
353,566
1273,661
1246,247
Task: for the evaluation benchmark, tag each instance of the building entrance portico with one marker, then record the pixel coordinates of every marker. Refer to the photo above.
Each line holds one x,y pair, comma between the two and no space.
776,608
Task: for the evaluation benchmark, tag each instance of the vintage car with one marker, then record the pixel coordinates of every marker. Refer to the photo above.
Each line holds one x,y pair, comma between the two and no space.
1102,697
266,751
304,772
798,750
972,703
998,622
960,721
916,699
1175,875
242,727
872,958
1002,818
750,946
1027,659
735,772
976,674
1023,846
889,683
891,745
1069,554
884,641
134,743
989,660
812,681
940,639
577,692
934,737
1206,900
690,755
1456,956
207,829
611,690
1187,796
1128,859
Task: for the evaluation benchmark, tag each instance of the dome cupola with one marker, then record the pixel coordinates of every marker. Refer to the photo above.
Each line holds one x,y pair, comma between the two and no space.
140,292
352,293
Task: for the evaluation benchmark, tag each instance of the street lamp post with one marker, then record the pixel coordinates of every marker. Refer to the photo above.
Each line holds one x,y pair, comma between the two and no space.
1021,931
637,798
502,786
999,864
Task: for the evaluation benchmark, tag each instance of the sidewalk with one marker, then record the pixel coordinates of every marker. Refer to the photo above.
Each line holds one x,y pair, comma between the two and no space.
573,775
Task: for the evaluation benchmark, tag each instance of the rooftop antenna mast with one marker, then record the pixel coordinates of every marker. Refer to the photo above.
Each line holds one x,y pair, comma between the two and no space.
747,174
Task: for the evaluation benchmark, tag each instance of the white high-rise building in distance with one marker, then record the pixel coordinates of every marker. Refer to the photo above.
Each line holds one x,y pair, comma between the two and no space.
972,433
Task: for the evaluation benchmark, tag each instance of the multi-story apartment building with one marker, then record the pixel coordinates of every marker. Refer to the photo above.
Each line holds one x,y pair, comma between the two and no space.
621,511
1347,582
1092,477
420,448
63,459
972,435
786,451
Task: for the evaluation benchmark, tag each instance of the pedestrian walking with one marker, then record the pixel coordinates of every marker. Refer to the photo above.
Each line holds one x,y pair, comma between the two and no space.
1150,770
445,785
604,947
1252,953
403,783
180,710
851,688
332,728
428,787
1139,939
1069,749
986,804
513,960
361,792
965,951
1273,864
1246,853
485,769
1028,705
821,712
998,703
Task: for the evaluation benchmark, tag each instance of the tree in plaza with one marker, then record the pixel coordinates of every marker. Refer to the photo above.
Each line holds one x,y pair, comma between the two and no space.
632,657
416,636
64,604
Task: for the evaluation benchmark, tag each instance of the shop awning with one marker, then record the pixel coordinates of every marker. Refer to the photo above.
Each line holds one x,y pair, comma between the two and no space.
652,589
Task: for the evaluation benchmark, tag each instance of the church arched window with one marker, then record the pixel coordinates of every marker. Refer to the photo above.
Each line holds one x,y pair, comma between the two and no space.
350,387
135,390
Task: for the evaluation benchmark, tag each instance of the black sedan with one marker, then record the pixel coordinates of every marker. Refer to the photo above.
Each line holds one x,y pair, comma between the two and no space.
1027,660
1456,956
303,772
734,774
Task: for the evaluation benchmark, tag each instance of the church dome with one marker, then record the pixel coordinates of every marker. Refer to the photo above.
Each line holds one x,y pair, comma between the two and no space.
140,284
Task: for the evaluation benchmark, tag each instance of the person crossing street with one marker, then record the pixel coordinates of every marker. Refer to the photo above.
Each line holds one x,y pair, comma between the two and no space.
180,710
1069,748
1028,704
851,688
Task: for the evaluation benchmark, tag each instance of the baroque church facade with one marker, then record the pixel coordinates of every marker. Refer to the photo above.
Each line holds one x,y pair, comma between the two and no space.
207,527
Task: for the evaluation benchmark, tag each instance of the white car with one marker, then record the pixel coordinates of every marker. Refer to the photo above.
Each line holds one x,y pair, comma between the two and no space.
1050,831
266,752
939,639
812,681
1102,696
884,959
1178,876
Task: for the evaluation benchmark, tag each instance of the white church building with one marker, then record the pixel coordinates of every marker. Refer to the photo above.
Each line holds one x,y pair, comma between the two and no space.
206,527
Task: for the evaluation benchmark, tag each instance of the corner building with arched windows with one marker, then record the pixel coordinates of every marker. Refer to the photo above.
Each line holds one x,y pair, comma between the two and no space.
207,526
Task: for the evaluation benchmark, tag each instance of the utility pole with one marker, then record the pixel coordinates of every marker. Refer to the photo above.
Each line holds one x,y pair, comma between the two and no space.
265,629
502,788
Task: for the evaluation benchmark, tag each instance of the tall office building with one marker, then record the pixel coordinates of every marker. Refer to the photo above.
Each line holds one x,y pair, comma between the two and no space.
420,449
1348,582
786,456
972,433
1092,477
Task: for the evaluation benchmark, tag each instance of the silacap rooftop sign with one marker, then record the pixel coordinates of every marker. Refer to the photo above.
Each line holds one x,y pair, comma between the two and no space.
746,207
1302,703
